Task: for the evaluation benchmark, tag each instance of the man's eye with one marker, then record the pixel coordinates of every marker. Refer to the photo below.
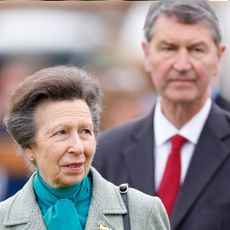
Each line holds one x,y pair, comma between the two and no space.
168,48
198,50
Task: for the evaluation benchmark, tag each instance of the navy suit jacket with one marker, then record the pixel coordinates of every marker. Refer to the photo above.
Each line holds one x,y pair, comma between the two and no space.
126,154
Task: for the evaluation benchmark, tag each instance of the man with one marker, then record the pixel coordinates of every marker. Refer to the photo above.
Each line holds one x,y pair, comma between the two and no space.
182,53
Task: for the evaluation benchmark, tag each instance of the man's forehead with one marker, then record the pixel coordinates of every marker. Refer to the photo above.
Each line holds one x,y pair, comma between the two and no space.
169,26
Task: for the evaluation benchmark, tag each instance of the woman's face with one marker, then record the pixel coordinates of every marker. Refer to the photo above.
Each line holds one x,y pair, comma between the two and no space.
64,143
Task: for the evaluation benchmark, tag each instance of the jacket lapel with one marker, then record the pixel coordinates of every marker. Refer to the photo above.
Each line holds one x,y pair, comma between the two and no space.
24,211
209,155
138,156
107,207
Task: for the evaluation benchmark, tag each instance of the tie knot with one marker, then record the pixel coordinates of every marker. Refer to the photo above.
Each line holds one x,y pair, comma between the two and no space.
178,141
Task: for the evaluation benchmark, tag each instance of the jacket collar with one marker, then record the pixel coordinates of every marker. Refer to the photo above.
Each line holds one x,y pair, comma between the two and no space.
211,152
106,204
140,150
23,209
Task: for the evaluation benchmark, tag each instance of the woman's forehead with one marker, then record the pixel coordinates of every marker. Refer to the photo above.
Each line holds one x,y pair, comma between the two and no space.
50,112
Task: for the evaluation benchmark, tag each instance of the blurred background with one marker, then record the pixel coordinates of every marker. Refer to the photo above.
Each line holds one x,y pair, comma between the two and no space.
103,37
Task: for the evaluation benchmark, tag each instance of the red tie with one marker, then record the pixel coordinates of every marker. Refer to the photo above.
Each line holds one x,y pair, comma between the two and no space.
170,183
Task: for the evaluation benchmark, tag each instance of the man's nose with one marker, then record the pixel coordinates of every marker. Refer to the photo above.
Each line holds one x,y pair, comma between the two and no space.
182,62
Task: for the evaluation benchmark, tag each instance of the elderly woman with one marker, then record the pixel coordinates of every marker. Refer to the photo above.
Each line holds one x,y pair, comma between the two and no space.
54,118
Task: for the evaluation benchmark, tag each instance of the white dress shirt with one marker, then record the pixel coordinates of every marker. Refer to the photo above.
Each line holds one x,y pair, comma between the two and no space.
164,130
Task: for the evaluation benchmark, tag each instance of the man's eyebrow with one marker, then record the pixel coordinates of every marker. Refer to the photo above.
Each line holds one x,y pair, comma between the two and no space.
201,43
167,43
198,45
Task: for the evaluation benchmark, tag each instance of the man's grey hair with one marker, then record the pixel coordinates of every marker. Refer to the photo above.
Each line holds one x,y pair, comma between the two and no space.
185,11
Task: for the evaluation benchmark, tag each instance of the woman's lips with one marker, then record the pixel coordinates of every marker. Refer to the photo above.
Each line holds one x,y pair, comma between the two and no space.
75,167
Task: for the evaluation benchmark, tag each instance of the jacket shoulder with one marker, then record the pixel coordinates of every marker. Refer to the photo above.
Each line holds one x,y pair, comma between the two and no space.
5,206
148,208
122,133
124,128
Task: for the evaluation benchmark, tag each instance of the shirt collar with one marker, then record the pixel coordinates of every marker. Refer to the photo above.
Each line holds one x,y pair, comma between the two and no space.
164,130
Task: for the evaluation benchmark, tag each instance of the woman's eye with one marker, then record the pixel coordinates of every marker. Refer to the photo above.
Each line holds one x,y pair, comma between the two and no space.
86,131
60,132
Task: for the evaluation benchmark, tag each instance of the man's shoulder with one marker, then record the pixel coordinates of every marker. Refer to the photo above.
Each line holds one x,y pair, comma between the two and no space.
222,102
111,142
120,131
218,112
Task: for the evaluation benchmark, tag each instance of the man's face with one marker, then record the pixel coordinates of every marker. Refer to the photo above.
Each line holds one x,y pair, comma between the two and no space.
182,59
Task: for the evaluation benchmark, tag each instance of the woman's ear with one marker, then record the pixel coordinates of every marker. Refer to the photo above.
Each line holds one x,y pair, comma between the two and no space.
29,153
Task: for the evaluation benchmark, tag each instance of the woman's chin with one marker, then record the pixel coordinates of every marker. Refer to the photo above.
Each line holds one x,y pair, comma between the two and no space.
71,180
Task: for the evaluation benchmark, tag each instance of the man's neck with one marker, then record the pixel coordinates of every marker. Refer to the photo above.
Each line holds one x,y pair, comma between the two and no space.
180,113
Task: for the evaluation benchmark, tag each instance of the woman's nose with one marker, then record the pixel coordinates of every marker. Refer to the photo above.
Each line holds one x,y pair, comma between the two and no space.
75,144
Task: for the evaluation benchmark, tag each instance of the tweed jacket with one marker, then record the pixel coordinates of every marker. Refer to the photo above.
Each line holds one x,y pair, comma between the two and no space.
21,211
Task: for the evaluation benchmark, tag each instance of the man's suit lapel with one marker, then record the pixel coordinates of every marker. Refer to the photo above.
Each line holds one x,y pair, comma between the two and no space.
208,157
138,156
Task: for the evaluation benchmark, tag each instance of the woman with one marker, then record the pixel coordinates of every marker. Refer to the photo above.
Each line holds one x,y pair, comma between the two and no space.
54,118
